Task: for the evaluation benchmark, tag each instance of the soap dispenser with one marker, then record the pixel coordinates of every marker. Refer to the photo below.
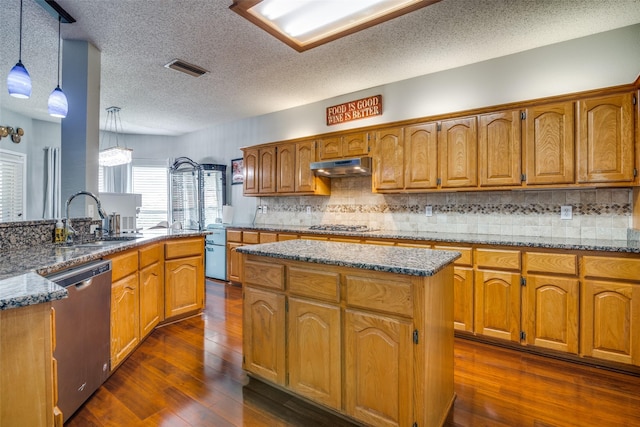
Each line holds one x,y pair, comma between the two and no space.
59,232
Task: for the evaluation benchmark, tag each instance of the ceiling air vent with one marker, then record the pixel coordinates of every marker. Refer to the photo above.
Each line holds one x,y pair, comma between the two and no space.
185,67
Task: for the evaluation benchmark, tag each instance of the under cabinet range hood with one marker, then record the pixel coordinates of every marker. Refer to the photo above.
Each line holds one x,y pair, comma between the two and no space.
358,166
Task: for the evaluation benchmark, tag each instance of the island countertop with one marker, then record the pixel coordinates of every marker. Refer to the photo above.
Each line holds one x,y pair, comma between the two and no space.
391,259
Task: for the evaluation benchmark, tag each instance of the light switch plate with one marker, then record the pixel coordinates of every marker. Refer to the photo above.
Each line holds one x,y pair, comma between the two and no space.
264,209
308,210
566,212
428,210
90,211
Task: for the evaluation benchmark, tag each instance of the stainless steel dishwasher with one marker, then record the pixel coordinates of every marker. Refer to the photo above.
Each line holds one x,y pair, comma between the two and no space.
82,333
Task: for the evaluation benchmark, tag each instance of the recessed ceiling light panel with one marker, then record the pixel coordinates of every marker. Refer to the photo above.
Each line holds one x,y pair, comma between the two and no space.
304,24
185,67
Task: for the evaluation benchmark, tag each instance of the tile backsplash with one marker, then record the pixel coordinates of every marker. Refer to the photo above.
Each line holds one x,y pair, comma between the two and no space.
596,213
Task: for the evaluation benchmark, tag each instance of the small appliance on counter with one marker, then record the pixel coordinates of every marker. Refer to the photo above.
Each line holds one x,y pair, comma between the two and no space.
216,252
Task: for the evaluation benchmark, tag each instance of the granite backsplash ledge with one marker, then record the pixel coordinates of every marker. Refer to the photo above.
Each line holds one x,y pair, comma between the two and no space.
603,213
25,234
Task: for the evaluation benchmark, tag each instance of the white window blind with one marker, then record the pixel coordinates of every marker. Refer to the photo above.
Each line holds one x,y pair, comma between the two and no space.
13,174
151,182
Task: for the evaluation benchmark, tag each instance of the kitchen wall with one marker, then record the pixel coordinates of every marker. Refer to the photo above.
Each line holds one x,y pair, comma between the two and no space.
597,213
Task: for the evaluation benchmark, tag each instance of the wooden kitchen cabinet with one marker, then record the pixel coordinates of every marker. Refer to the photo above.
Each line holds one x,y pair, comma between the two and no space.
499,147
605,139
315,350
251,166
285,168
305,179
497,293
151,278
457,146
184,277
550,301
389,159
125,306
421,156
264,334
549,144
610,309
462,288
259,170
352,144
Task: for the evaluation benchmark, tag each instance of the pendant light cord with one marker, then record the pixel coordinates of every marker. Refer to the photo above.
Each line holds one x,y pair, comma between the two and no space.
20,49
59,43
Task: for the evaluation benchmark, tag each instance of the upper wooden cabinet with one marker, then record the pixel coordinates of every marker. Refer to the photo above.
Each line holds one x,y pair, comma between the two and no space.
549,144
283,169
605,139
389,159
421,156
343,146
457,146
499,146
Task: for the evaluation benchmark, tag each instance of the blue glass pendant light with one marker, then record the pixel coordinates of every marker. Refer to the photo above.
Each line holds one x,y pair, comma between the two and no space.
18,80
58,105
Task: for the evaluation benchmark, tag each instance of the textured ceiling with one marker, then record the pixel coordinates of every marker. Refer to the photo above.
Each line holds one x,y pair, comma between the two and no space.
251,72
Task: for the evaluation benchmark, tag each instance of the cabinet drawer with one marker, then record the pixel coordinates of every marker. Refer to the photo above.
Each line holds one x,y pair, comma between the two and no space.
150,254
552,263
268,237
314,283
184,248
123,265
465,259
283,237
234,236
497,258
380,294
264,274
250,237
612,268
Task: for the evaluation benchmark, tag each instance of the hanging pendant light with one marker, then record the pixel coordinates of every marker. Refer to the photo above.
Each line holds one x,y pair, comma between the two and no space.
58,105
19,80
113,155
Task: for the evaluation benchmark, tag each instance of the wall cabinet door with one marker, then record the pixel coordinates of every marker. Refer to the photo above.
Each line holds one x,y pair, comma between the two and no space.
250,162
355,144
389,159
457,144
304,177
330,148
499,146
267,170
497,304
606,139
125,318
263,338
610,321
378,369
286,168
315,351
549,144
421,156
151,297
184,286
550,307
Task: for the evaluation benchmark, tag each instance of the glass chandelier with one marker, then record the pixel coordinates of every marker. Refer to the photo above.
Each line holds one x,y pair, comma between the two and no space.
113,155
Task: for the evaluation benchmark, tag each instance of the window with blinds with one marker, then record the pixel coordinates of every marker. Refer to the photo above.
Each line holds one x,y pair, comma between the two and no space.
13,177
151,182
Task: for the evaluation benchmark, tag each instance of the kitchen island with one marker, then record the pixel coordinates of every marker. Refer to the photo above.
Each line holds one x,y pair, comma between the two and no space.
365,331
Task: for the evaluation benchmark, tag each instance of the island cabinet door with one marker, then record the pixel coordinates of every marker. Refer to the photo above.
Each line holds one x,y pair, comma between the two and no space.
378,369
314,351
264,334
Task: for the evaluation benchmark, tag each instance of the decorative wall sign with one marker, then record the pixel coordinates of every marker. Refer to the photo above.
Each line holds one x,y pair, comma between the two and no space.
237,171
355,110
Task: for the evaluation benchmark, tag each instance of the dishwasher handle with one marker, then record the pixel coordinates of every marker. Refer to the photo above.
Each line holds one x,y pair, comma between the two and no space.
84,284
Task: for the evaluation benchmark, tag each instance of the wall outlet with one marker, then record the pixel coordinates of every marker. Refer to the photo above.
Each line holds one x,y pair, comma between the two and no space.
566,212
308,210
264,210
428,210
259,209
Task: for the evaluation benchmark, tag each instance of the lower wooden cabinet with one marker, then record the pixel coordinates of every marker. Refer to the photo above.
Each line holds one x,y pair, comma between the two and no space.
378,369
497,304
151,278
315,350
125,318
184,277
263,334
463,299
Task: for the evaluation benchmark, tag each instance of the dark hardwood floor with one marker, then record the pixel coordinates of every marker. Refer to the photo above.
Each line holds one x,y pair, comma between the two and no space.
189,374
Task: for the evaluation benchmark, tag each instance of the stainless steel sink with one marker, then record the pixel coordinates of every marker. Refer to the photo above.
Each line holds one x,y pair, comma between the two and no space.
106,241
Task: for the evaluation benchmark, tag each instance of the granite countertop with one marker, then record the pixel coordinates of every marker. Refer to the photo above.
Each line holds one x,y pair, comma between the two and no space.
21,272
390,259
623,246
